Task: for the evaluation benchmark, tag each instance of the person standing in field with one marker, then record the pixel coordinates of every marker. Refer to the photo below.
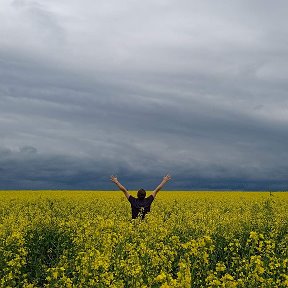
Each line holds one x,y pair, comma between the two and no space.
140,205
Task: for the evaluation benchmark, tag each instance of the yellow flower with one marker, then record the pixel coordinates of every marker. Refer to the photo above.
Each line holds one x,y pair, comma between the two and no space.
160,277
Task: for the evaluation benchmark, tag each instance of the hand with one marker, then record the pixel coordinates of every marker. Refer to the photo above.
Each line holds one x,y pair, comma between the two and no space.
114,179
166,178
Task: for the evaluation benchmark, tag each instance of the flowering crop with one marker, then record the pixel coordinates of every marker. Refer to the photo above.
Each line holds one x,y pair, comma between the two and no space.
189,239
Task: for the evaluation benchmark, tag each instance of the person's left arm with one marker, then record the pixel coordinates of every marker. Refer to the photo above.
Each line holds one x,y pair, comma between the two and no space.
120,186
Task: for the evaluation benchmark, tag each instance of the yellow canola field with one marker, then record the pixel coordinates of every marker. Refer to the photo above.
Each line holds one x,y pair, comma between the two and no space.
189,239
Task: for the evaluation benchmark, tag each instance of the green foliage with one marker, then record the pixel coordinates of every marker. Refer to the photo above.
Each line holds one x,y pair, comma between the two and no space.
44,246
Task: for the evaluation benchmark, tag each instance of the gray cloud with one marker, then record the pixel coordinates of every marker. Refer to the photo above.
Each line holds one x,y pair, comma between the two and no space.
139,89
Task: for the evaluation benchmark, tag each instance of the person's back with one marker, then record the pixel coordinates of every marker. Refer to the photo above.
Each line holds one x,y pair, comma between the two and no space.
140,207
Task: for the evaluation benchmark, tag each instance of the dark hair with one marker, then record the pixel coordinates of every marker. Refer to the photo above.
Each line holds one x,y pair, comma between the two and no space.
141,194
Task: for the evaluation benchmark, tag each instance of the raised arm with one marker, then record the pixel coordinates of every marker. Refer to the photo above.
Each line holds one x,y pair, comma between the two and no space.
120,186
159,187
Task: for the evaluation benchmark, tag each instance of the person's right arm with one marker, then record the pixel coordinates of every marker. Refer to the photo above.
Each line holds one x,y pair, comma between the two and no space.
120,186
159,187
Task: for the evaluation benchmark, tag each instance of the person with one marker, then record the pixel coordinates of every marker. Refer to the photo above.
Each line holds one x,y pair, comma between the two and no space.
141,205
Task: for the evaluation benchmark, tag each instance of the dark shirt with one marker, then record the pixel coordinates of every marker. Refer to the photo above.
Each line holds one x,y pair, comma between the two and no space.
140,207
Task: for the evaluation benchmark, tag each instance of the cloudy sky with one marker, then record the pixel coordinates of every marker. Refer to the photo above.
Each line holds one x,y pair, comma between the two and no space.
197,89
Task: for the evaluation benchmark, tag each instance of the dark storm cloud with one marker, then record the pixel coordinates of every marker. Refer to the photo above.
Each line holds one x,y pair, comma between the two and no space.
140,89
